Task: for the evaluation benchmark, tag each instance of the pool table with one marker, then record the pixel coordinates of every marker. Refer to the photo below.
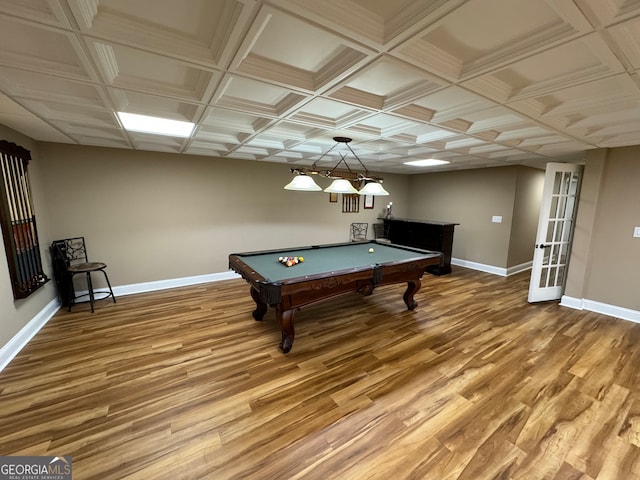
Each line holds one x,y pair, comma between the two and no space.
327,271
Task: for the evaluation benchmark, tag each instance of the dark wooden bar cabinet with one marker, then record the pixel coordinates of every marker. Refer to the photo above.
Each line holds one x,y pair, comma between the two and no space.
423,234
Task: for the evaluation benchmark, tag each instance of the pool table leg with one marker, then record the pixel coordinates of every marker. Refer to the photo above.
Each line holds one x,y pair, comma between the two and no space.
261,307
412,287
285,319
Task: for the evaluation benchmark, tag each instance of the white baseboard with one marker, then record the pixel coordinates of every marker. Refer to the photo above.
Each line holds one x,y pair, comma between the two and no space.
503,272
480,266
26,333
599,307
519,268
172,283
571,302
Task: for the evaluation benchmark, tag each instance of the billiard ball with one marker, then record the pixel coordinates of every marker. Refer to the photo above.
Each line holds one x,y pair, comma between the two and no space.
301,259
371,250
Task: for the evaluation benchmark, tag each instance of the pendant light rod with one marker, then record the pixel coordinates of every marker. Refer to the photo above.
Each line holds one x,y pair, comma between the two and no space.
346,141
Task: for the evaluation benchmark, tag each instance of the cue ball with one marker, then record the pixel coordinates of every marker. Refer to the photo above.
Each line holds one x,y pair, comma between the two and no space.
371,250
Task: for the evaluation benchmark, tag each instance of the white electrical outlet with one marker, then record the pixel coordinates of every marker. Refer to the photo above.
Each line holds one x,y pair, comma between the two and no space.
496,219
636,232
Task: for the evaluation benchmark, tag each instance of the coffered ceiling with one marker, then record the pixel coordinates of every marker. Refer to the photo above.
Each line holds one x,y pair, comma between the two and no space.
480,83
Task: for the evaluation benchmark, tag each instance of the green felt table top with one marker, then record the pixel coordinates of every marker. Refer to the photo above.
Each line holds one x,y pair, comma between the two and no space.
326,259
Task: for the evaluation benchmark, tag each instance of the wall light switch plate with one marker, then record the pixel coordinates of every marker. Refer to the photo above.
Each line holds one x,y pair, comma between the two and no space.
496,219
636,232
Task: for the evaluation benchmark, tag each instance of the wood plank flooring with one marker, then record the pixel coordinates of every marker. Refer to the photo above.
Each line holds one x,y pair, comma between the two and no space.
474,384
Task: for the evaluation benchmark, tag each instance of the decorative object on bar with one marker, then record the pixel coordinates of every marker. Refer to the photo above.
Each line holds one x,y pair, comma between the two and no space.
389,213
343,182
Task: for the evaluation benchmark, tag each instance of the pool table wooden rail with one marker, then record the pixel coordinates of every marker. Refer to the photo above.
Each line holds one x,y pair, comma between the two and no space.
291,294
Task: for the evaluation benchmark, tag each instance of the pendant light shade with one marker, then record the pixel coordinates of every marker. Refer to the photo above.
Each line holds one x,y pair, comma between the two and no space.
341,185
373,188
303,183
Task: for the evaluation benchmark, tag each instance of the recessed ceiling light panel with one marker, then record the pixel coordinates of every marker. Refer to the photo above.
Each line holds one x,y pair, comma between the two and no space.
155,125
428,162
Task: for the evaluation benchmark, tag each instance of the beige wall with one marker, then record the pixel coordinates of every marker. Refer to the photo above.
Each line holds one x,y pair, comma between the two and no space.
156,216
15,314
471,198
579,262
526,211
606,267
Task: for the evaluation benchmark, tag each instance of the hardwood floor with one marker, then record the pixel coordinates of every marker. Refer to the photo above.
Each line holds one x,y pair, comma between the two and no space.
474,384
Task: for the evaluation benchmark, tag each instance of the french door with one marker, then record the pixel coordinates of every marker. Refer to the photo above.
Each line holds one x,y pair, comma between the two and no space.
555,231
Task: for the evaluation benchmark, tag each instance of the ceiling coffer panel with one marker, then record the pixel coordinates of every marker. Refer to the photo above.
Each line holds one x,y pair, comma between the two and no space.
480,83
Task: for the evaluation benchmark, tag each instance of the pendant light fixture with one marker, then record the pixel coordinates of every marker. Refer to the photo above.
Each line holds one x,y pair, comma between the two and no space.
342,182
